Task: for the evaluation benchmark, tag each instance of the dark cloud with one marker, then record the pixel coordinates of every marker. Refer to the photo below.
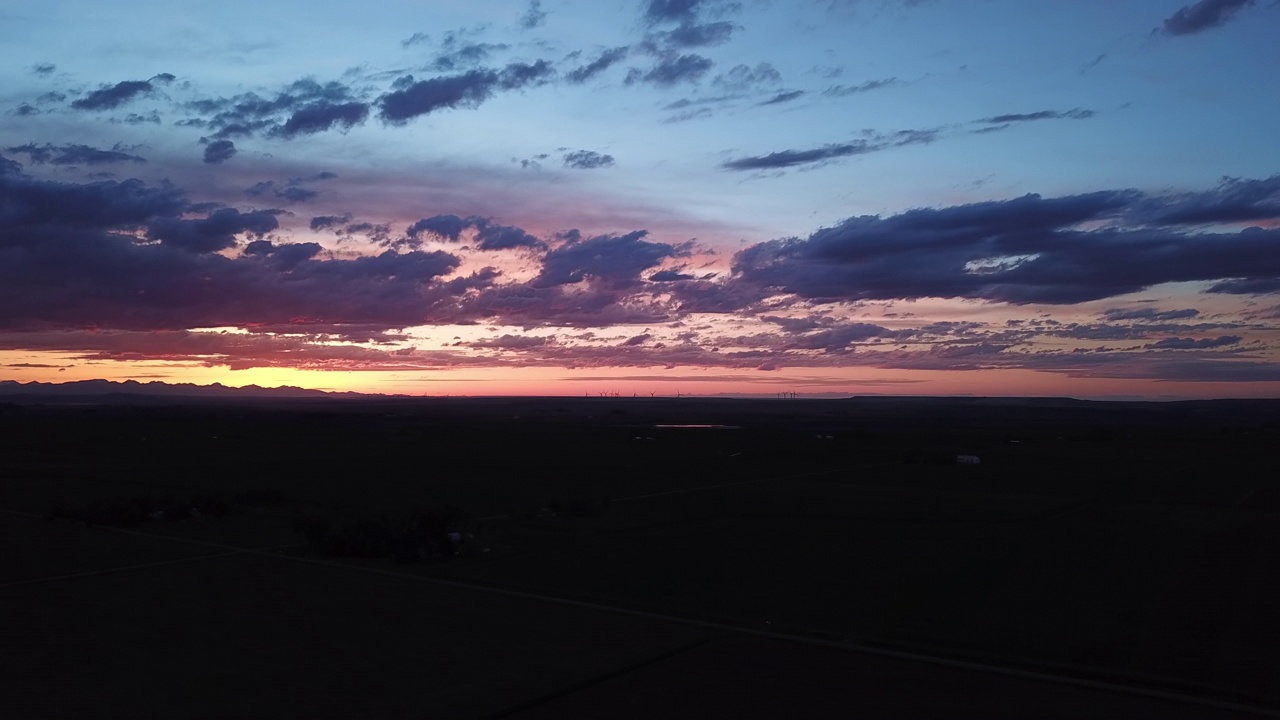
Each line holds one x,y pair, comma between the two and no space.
607,59
688,35
518,75
1202,15
868,86
669,276
488,235
839,336
1233,200
683,11
73,154
1076,114
90,237
637,340
610,260
791,158
744,77
1026,250
1250,286
217,231
992,129
658,11
783,97
322,116
291,191
448,227
219,151
1150,314
284,257
510,342
303,107
467,56
673,70
113,96
151,118
25,110
43,68
30,204
1177,343
587,160
534,16
328,222
467,90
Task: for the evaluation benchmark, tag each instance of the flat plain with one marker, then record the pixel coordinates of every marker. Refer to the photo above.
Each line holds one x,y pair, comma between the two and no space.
820,557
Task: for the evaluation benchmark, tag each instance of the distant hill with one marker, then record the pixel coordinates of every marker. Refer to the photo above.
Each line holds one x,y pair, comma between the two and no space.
103,390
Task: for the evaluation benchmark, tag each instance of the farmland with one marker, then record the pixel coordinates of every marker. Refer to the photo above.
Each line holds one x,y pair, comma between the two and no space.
821,556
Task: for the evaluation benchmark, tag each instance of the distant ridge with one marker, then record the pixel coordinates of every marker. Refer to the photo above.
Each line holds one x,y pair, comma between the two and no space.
101,389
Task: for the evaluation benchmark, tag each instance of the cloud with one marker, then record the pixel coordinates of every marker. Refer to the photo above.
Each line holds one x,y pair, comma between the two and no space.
219,151
1025,250
152,118
448,227
72,154
303,107
144,257
611,260
468,90
673,70
1076,114
607,59
286,256
1149,314
418,38
215,232
587,160
534,16
504,237
783,97
1092,63
669,276
635,340
791,158
321,116
1233,200
292,191
329,222
466,56
44,69
488,234
741,78
110,97
1202,15
868,86
679,11
689,35
688,115
510,342
1194,344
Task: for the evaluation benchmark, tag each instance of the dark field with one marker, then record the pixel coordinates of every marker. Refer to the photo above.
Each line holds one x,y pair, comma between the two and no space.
817,559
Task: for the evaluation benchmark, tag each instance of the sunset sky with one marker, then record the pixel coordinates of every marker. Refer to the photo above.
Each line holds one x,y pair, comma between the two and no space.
562,197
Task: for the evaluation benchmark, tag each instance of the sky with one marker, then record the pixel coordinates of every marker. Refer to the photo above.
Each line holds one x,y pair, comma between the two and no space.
645,197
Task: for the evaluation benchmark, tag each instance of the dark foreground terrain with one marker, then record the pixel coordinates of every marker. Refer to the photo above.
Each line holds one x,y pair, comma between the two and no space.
568,558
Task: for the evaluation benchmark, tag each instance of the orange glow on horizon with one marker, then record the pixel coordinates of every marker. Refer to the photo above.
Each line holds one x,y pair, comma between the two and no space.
555,381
